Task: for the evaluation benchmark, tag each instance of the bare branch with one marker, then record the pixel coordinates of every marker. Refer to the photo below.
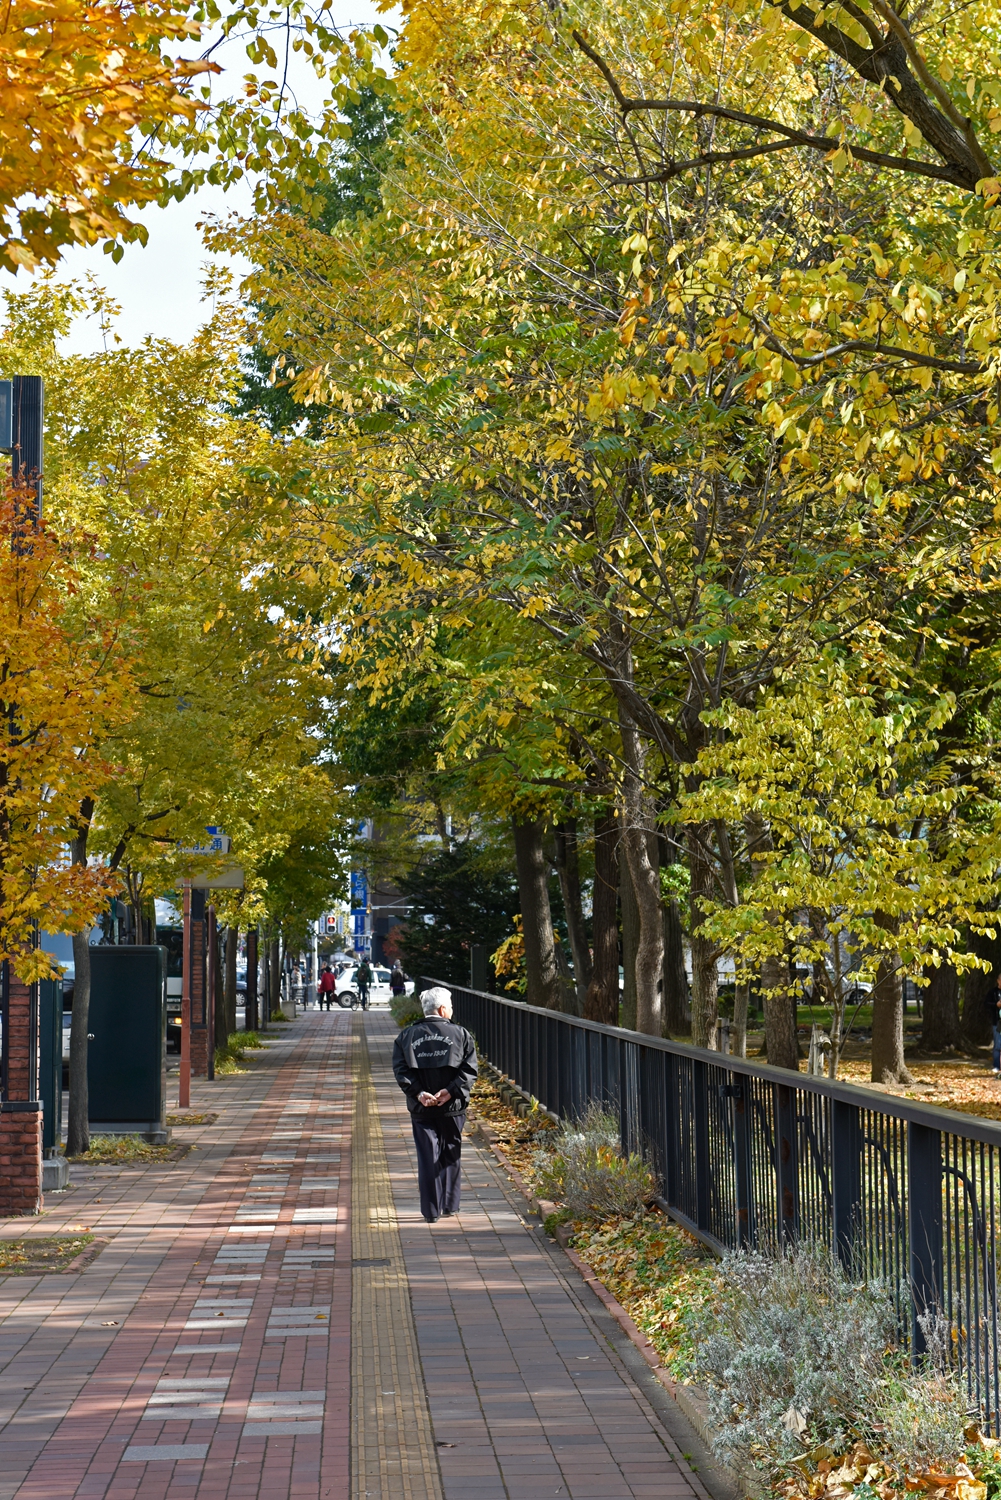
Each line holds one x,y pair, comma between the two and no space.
886,66
793,137
865,346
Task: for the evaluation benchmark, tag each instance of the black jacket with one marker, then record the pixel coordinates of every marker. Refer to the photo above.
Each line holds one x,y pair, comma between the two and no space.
435,1054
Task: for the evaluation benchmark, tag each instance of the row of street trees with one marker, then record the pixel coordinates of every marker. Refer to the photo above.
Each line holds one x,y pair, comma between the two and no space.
614,460
651,415
154,673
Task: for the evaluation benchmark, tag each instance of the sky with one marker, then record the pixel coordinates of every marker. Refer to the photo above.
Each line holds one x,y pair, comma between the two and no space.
159,286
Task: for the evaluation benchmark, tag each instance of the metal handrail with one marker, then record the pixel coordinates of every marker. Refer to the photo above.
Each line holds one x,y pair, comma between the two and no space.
749,1154
933,1115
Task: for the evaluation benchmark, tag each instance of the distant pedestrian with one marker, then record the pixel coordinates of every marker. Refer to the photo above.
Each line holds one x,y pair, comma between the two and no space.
363,982
327,987
435,1065
994,1011
398,980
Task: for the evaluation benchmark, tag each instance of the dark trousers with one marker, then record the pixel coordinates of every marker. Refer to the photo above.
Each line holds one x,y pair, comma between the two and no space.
439,1146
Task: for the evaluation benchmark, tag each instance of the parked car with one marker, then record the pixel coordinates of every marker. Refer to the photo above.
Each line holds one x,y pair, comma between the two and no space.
347,988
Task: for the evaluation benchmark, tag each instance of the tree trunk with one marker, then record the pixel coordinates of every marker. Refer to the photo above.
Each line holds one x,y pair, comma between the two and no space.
644,871
78,1116
978,985
251,1015
778,1006
274,978
602,1002
541,970
570,1003
677,1019
738,1042
940,1009
230,997
220,1018
568,869
78,1121
630,942
781,1040
705,979
888,1065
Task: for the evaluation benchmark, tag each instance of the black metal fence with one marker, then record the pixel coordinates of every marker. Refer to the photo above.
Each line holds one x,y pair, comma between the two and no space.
755,1156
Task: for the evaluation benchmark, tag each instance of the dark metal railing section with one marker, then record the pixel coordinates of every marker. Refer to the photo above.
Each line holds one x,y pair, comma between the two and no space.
755,1156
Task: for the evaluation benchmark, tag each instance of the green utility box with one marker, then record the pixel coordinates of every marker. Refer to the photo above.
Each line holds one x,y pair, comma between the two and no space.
127,1054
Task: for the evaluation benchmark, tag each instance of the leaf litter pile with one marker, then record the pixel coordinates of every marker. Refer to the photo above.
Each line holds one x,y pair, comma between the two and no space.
824,1475
952,1083
127,1151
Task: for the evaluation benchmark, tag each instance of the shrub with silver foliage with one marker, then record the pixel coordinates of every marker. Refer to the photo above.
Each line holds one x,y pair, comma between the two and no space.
921,1421
792,1353
582,1167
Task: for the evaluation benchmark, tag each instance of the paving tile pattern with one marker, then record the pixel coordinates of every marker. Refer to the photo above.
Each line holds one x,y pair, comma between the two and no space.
186,1359
392,1446
271,1318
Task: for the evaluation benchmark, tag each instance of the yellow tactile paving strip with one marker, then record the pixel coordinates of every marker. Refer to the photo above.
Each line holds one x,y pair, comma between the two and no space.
392,1445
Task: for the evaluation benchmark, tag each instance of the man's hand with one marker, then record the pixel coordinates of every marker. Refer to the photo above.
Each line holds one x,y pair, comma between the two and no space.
429,1101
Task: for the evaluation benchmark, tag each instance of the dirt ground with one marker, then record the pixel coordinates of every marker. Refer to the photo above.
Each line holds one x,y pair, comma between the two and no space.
959,1081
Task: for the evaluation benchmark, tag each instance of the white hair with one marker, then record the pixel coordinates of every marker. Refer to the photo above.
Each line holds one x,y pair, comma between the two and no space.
432,999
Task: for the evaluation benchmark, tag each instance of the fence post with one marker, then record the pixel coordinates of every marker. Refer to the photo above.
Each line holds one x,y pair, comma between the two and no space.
700,1091
786,1164
651,1108
739,1091
924,1223
671,1146
846,1182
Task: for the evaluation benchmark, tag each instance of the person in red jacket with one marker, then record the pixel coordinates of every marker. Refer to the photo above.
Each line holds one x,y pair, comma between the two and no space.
327,987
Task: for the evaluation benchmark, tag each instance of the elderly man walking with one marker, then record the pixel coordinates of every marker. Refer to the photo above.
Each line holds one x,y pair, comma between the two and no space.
435,1065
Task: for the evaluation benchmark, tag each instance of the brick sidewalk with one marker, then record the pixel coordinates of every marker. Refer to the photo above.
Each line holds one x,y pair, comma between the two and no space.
237,1337
523,1386
205,1351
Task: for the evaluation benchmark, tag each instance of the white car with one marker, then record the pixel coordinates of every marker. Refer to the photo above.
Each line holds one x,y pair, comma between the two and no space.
347,986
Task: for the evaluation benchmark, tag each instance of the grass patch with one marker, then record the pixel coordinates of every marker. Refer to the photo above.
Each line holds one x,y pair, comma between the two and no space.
229,1058
124,1150
192,1119
277,1015
32,1257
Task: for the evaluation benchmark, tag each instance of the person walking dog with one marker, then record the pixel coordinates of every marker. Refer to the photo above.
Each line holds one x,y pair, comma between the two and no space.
434,1061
